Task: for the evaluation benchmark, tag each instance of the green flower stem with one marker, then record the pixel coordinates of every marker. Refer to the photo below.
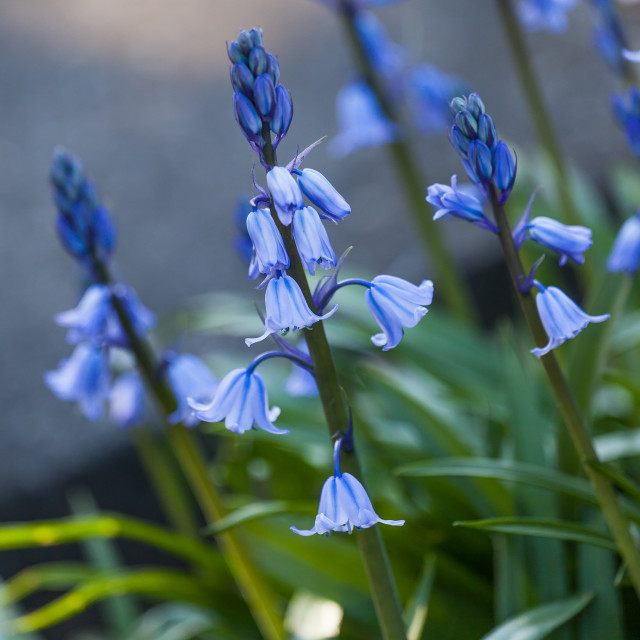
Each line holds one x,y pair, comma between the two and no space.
160,467
254,590
374,555
573,419
453,288
538,110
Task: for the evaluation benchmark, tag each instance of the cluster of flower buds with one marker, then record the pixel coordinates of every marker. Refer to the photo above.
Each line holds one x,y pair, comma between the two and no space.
94,328
261,105
490,166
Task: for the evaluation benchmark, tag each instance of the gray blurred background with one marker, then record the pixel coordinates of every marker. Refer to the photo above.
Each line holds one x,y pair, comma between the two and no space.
139,90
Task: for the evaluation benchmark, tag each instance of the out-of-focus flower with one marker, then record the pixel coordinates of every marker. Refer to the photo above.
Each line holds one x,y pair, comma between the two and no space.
625,253
627,112
545,14
127,400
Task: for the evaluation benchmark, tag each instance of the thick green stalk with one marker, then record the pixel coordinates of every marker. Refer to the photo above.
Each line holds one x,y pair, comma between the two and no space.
374,555
255,592
537,107
453,288
618,523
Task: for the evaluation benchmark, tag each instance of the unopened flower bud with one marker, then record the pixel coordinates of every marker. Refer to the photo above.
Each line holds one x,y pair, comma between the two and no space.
273,68
246,116
467,124
245,44
487,131
479,156
258,60
504,169
475,105
264,96
324,195
242,79
283,112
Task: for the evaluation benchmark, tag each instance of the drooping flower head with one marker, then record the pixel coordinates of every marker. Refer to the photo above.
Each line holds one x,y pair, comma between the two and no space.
241,401
271,256
561,317
312,240
625,253
545,14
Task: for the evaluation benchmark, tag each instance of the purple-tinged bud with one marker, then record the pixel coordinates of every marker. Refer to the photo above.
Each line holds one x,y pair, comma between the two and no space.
324,195
479,157
242,79
459,141
467,124
475,105
247,117
267,242
234,52
256,37
505,169
285,194
312,240
264,96
487,131
245,44
273,68
258,61
283,112
625,253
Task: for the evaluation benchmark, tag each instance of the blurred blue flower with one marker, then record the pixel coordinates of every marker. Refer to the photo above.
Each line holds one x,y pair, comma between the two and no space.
127,400
285,194
627,112
312,240
287,309
545,14
241,401
361,122
396,303
561,317
83,378
344,505
625,253
324,195
569,241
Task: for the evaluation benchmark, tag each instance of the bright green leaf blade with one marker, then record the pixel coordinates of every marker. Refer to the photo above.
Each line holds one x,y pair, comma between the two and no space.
537,623
417,609
546,528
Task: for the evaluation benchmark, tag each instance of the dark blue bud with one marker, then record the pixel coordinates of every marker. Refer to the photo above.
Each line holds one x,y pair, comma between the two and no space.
505,168
487,131
273,68
242,79
458,104
283,112
459,141
245,43
258,61
247,117
264,96
256,37
618,108
475,105
234,52
479,156
467,124
634,100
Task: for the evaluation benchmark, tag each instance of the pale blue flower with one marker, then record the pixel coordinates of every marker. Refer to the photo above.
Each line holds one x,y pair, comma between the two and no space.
287,309
241,401
561,317
545,14
625,253
396,303
285,194
312,240
344,506
361,121
83,378
127,400
569,241
269,248
191,381
323,194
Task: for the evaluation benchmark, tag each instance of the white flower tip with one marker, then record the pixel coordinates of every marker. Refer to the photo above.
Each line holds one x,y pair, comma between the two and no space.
199,406
632,56
250,341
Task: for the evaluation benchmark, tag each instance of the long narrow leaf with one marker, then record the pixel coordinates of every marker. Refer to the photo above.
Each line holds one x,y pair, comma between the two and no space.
415,614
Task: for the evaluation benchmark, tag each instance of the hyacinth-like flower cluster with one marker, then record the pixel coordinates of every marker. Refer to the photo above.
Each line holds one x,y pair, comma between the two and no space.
88,233
545,14
492,170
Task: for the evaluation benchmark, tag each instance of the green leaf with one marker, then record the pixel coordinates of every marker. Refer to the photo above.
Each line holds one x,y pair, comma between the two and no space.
546,528
537,623
417,609
626,484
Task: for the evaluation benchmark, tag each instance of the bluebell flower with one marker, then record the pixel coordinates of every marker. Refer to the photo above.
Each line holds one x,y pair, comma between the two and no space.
505,169
264,96
344,506
324,195
545,14
191,381
267,242
396,303
247,117
95,317
241,401
569,241
625,253
127,400
429,91
361,121
312,240
285,194
287,310
83,378
627,112
282,115
84,226
561,317
467,204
